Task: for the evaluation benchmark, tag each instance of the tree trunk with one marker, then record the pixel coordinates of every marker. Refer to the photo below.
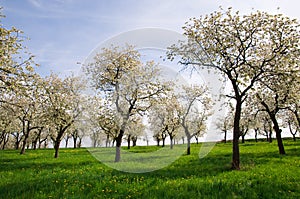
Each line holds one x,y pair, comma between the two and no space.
38,138
118,154
128,141
291,131
134,140
79,143
225,136
5,140
107,140
56,148
41,141
75,142
118,151
2,137
3,146
26,135
163,141
17,142
197,140
171,142
256,131
67,141
236,134
24,145
243,138
188,150
279,142
34,143
2,141
297,116
94,139
270,134
60,134
95,143
278,134
118,145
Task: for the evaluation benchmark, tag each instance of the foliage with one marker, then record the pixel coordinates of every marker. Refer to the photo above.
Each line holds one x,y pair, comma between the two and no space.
245,49
63,105
164,118
16,64
127,85
224,124
194,110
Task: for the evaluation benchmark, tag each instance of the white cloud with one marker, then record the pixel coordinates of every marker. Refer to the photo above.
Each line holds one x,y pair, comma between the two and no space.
36,3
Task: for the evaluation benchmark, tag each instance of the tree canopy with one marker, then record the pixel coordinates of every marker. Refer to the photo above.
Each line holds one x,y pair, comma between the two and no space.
245,49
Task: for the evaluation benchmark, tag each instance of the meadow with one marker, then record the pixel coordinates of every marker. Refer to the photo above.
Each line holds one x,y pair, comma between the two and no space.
77,174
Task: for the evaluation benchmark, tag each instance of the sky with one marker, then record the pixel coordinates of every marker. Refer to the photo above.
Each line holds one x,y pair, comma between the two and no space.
64,32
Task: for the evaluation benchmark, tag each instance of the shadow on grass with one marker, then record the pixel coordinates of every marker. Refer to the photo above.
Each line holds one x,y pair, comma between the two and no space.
37,159
77,174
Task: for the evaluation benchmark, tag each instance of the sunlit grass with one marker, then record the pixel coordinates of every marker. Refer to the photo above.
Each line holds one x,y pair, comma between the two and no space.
77,174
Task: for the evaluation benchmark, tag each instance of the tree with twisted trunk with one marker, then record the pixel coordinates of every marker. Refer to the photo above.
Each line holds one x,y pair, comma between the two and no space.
244,49
128,85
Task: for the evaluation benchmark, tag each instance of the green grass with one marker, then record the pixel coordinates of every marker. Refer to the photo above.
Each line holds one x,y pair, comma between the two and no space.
77,174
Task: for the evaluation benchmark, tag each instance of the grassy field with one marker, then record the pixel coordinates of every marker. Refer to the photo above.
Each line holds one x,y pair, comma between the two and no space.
77,174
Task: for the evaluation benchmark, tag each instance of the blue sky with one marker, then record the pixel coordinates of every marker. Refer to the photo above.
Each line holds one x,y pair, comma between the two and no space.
63,32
